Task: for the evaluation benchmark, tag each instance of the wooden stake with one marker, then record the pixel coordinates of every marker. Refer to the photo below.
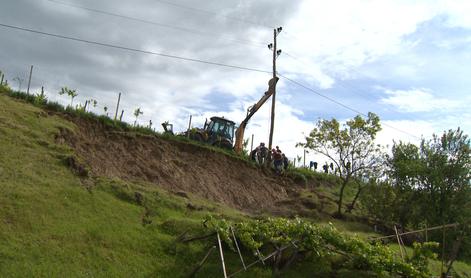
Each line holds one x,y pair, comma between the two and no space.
251,144
426,233
238,250
399,242
443,252
29,81
117,108
222,256
121,117
198,267
189,126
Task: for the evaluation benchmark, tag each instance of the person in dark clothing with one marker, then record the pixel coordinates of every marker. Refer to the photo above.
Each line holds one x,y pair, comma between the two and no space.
285,162
326,168
253,154
278,161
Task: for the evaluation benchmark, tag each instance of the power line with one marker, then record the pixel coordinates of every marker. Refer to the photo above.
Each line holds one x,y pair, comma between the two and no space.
133,49
163,25
341,104
216,14
341,83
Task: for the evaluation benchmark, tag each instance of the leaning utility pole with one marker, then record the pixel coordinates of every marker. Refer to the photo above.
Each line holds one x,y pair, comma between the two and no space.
276,53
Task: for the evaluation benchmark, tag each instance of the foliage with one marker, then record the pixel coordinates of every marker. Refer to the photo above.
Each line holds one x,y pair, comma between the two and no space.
351,148
432,181
378,200
438,172
69,92
40,98
323,243
137,112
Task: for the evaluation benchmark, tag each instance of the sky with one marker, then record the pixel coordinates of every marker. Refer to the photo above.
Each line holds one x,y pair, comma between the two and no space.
407,61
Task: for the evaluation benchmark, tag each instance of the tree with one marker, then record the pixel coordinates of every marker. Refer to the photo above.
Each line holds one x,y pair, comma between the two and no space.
351,148
71,93
92,102
432,182
438,172
20,81
137,112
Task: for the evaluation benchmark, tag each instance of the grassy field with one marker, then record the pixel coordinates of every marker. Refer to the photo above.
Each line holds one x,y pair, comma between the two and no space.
54,223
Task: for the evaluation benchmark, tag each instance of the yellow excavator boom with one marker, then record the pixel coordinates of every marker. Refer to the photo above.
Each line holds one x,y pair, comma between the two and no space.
250,112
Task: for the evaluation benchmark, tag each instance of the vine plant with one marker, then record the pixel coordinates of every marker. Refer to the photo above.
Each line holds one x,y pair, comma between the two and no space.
323,243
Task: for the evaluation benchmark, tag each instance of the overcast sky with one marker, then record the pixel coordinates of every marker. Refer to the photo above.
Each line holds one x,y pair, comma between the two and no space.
407,61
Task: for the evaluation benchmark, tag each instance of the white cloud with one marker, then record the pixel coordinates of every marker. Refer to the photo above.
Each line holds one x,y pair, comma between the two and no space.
418,100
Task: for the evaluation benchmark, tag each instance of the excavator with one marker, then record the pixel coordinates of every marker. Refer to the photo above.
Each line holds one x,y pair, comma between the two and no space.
238,146
220,131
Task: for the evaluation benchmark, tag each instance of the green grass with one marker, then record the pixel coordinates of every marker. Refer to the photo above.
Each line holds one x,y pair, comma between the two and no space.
54,224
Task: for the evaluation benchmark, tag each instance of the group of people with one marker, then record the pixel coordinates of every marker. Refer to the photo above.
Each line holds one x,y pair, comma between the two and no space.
276,158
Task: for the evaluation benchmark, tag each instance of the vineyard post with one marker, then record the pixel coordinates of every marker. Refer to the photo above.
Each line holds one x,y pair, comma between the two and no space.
117,108
238,250
222,256
251,144
426,232
442,273
1,82
189,126
399,242
121,117
198,267
29,81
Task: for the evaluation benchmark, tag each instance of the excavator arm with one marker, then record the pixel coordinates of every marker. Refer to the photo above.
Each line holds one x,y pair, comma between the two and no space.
250,112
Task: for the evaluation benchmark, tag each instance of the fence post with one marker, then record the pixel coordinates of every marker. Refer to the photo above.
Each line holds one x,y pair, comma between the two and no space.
117,108
189,126
29,81
222,256
121,117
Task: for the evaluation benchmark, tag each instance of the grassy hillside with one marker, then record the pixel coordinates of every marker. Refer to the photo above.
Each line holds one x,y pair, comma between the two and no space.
55,223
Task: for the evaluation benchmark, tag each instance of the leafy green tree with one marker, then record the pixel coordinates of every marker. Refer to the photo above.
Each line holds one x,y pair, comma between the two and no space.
137,112
438,171
350,147
92,102
71,93
432,181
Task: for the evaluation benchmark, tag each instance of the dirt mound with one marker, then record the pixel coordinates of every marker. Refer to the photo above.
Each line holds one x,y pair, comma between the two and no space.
175,166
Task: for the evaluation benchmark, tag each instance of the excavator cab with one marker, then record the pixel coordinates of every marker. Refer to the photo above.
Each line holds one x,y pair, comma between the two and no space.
220,132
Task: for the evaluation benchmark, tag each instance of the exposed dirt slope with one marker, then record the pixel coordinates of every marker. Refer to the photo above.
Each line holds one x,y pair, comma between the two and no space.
175,166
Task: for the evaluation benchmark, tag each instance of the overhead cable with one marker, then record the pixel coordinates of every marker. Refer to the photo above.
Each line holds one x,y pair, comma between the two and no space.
132,49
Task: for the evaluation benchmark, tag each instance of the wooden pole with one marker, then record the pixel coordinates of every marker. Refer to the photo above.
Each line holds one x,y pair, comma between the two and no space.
222,256
121,117
117,108
198,267
272,122
304,161
416,231
238,249
251,144
189,126
443,253
399,242
29,81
